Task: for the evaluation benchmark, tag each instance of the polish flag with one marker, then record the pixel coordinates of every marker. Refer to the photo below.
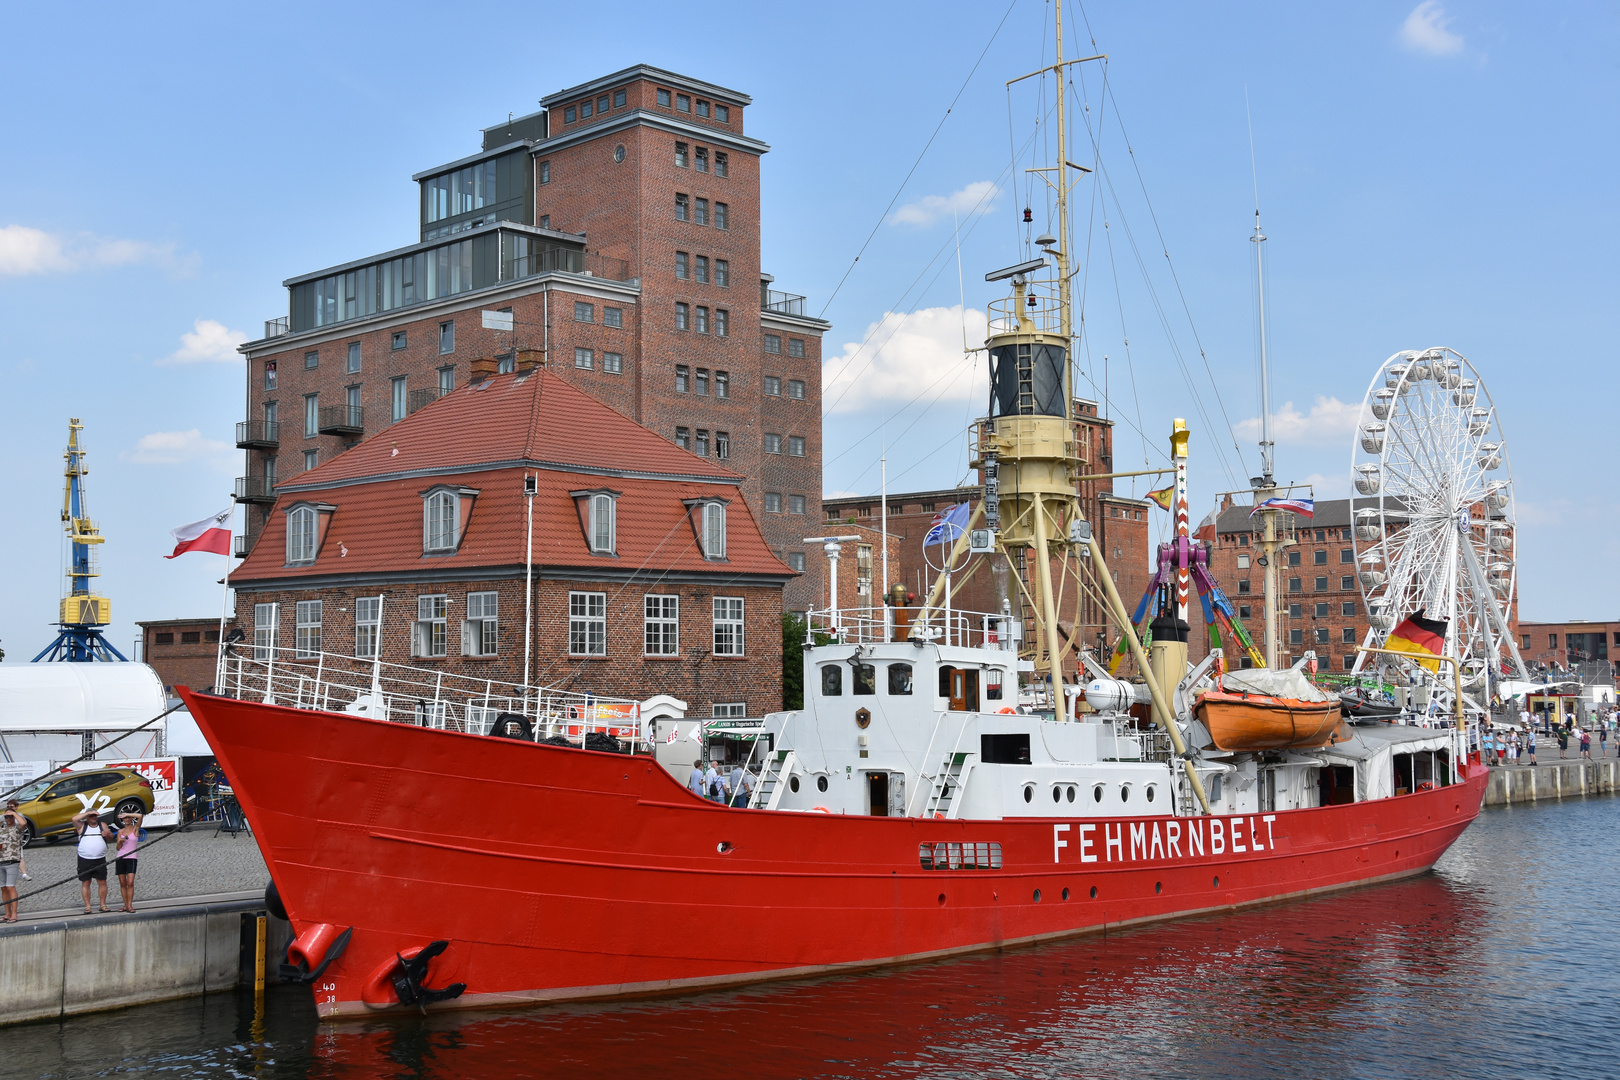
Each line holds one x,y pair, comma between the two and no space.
210,534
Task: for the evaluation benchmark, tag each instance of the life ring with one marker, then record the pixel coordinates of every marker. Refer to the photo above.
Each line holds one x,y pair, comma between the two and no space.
1427,785
1007,709
820,810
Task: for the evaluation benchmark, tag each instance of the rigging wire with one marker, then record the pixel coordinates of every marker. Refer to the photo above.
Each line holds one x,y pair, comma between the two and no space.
920,156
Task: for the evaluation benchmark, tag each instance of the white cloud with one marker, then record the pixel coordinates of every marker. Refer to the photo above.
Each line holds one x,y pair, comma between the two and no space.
25,251
1425,30
905,356
181,448
931,208
1330,420
207,342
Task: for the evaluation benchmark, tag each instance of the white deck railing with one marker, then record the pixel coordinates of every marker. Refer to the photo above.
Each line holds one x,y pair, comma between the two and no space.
943,626
420,696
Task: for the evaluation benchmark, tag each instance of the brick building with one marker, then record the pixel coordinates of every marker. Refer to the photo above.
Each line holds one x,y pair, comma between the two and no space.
1566,644
182,651
619,229
650,573
1120,523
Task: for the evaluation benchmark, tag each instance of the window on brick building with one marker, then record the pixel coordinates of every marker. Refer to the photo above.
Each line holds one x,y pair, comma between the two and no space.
683,103
266,630
1321,635
683,437
722,445
439,524
312,458
773,386
1295,585
701,443
1349,633
312,414
312,359
584,359
480,630
795,561
570,114
428,633
366,617
545,172
307,630
702,108
683,378
773,502
720,163
447,379
682,207
1296,636
683,266
703,269
701,323
700,213
683,316
795,389
702,157
722,322
1245,612
1347,582
1348,609
728,626
619,99
1320,558
545,221
587,624
1347,555
700,385
602,104
1349,661
269,374
613,363
680,155
1321,610
1296,611
1321,584
773,343
505,363
661,626
1293,558
795,504
773,443
354,357
1552,641
795,346
663,98
1243,562
1524,641
397,394
714,530
447,337
585,110
612,316
603,521
1243,585
584,312
722,216
796,446
722,113
722,273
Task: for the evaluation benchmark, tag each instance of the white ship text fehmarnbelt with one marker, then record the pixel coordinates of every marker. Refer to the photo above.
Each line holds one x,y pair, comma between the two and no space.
1146,841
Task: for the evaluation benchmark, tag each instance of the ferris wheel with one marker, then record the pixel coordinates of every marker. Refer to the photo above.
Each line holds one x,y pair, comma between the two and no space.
1433,517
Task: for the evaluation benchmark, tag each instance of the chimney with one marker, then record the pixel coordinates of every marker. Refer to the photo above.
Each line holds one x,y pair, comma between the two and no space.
529,359
481,369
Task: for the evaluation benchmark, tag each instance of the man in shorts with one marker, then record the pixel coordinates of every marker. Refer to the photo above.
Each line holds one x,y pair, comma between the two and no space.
93,838
12,831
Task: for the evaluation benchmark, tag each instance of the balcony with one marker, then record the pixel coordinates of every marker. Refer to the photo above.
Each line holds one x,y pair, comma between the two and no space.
258,435
277,327
421,399
783,303
342,420
255,489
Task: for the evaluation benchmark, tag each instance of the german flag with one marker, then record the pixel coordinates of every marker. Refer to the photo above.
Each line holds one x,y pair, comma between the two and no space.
1420,637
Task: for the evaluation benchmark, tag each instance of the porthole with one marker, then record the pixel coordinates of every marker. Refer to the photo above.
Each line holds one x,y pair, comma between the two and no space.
1158,887
1037,896
793,784
1216,883
1151,789
821,783
1124,793
1096,793
1071,793
723,847
618,154
941,899
1065,894
1057,794
1094,892
1029,792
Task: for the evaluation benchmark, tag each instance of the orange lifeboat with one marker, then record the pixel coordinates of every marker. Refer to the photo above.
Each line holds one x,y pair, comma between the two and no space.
1256,709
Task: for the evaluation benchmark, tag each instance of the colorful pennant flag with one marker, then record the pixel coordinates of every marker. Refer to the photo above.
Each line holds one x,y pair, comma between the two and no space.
1302,507
1164,496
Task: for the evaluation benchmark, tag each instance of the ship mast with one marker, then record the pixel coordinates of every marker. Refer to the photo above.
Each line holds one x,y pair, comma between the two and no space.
1265,485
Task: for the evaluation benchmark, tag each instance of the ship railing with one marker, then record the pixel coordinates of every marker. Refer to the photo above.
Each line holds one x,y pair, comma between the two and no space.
886,623
335,682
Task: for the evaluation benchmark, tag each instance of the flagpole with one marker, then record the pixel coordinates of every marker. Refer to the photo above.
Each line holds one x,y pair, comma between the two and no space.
224,606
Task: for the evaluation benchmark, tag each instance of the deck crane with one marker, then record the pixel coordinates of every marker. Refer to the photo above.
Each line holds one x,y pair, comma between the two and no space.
83,612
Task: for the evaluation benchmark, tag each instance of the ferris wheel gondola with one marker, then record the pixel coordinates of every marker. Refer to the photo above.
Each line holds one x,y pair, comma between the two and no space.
1433,519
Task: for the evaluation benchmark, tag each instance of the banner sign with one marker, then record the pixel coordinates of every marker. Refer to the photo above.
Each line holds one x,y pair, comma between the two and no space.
164,776
17,773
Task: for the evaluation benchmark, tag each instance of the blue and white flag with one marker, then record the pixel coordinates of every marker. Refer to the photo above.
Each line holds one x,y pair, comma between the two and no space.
1302,507
947,525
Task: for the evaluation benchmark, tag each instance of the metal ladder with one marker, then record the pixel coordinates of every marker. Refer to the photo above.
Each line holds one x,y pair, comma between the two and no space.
768,792
947,784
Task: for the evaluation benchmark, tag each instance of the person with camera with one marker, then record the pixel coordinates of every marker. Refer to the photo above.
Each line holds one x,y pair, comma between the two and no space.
93,837
13,834
129,839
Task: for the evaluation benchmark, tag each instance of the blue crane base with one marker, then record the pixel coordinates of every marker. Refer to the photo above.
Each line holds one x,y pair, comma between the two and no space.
80,645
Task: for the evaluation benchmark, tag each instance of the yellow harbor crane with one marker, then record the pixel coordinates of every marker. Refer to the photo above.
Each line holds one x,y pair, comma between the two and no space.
83,612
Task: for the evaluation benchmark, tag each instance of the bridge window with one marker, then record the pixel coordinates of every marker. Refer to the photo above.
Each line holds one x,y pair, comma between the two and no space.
832,681
900,679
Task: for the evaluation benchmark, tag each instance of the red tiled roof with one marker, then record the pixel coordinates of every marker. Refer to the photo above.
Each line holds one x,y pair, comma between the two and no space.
378,520
538,418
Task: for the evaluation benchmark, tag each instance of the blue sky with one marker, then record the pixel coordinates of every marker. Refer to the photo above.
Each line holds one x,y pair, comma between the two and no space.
1429,174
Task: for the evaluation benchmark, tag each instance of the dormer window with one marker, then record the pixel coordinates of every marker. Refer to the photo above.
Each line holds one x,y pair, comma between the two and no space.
445,511
714,530
603,526
301,536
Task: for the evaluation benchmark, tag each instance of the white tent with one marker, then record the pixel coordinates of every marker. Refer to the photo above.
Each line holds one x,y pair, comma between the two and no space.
78,697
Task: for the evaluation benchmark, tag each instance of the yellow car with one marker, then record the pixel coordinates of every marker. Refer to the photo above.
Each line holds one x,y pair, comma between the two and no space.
49,805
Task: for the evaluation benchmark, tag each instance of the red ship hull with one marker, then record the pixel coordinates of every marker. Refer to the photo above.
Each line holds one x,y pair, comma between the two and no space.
557,874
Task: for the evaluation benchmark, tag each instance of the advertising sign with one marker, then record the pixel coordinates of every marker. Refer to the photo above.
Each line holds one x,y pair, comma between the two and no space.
16,773
164,776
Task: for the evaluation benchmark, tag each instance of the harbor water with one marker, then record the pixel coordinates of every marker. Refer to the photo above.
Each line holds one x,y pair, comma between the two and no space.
1499,964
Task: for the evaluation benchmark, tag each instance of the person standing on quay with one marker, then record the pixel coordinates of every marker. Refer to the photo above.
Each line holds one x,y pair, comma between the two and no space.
11,847
694,779
1530,744
129,838
1586,744
93,837
1603,737
1563,740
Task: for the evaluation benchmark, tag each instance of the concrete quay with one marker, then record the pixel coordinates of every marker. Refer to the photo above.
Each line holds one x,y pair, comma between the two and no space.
1555,779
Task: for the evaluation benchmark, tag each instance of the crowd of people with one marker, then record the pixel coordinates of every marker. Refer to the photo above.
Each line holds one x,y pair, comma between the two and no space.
1517,745
727,789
